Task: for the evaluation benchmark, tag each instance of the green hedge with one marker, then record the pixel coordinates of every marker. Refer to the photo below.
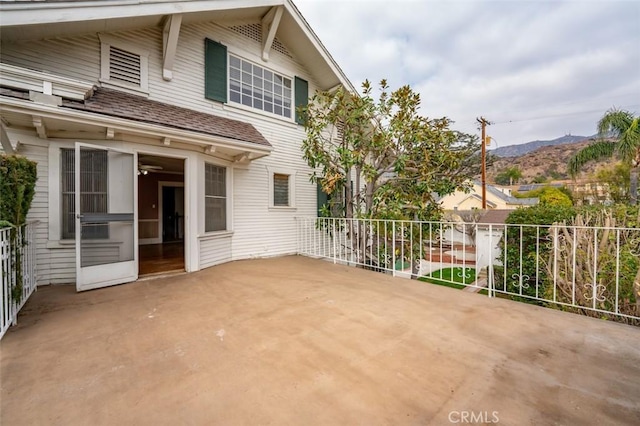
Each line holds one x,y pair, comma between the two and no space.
18,177
532,241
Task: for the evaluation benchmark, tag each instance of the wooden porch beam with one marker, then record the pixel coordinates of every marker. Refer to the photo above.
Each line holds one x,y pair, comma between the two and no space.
245,157
38,123
6,142
170,35
270,23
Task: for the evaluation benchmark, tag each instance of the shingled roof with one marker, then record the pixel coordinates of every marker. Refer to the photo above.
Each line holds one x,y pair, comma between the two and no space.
132,107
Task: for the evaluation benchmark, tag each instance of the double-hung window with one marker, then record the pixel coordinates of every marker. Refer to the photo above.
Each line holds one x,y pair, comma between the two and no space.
93,192
215,198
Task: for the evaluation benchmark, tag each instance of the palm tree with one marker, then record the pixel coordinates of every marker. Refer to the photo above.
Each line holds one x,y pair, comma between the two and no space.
625,128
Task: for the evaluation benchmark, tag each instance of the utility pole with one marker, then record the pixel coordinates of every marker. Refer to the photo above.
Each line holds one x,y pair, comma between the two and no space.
484,123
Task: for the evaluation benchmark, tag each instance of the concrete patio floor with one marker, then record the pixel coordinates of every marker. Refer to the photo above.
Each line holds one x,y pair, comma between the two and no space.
299,341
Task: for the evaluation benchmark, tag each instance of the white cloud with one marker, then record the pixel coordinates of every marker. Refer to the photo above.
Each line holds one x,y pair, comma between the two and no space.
539,69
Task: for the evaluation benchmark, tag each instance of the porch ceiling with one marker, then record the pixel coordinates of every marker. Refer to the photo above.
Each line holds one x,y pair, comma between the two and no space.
294,340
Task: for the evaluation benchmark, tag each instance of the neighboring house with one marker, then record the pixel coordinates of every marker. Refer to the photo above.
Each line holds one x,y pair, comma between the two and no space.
172,125
497,198
535,186
589,192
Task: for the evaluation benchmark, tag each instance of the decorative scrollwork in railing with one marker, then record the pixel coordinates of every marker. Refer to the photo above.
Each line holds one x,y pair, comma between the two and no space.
599,292
634,246
465,273
520,281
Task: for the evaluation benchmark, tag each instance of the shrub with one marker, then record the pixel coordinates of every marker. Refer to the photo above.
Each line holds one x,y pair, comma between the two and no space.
18,177
550,195
533,268
521,265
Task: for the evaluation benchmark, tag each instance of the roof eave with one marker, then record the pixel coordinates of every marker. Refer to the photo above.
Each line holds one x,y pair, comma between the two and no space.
190,137
326,56
30,13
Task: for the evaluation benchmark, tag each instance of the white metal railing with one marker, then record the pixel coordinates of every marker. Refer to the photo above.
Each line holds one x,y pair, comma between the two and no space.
594,271
18,263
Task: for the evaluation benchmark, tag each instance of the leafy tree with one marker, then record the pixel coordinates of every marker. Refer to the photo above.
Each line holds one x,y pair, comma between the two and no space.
626,145
378,158
387,160
509,176
539,179
549,195
617,179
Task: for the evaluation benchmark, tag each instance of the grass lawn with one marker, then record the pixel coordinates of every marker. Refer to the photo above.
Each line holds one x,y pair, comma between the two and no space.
452,277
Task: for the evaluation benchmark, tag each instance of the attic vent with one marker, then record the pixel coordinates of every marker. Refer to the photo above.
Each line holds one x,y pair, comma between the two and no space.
254,32
124,66
279,47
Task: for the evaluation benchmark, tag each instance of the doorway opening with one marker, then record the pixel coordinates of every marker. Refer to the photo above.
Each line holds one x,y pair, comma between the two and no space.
161,214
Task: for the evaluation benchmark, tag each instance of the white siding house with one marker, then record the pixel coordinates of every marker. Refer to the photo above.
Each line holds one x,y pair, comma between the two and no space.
498,198
130,100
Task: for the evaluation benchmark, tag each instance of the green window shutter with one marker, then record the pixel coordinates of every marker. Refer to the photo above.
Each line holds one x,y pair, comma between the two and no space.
215,71
302,98
323,200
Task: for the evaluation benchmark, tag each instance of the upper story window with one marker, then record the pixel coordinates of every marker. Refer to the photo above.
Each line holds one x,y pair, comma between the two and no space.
228,77
123,65
257,87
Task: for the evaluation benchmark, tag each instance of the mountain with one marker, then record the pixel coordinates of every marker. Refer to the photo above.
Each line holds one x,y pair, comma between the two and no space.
548,163
525,148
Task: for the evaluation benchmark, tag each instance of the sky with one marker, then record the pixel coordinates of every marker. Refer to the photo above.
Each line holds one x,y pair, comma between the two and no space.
538,70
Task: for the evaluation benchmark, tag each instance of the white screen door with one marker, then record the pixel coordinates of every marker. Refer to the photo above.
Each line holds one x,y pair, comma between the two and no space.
106,210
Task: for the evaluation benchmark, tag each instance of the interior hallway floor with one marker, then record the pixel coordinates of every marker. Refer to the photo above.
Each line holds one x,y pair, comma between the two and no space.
157,258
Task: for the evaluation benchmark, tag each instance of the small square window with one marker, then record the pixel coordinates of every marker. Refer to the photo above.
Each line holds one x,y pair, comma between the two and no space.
280,190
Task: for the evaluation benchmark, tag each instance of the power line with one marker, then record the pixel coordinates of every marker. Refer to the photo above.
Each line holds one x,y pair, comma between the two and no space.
559,115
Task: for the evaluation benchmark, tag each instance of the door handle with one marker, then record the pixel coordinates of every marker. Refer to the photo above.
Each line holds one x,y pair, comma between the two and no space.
79,216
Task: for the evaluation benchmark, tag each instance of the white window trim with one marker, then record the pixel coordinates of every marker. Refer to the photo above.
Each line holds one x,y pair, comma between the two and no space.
229,197
250,58
264,115
106,41
55,200
271,171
